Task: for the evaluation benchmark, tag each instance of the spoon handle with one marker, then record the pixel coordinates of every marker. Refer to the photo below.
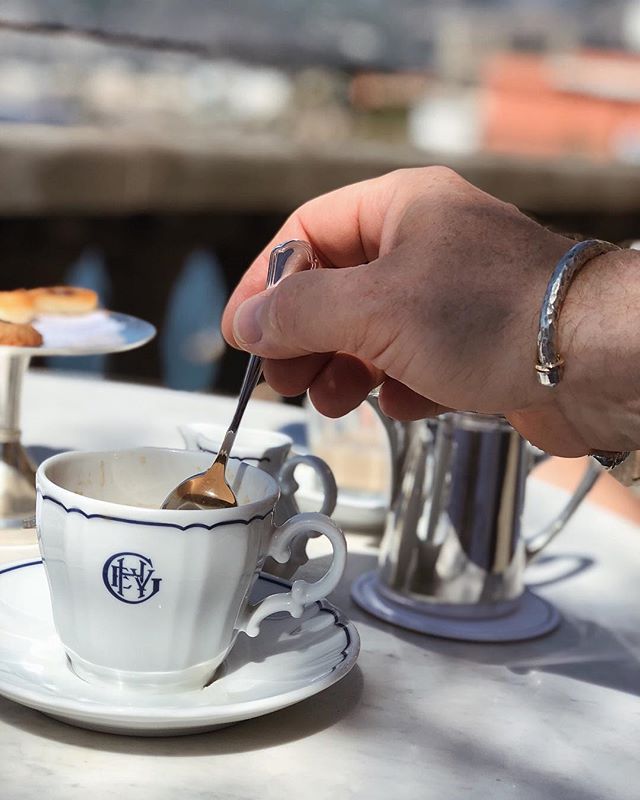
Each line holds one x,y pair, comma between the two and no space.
251,378
285,259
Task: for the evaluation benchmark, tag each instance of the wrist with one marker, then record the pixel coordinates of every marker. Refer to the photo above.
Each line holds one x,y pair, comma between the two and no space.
599,336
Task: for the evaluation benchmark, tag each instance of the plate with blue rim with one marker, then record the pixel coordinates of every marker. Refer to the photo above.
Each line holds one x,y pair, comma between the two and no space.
291,660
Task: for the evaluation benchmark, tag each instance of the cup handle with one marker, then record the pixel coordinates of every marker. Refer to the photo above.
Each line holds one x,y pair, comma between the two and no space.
289,485
536,543
302,593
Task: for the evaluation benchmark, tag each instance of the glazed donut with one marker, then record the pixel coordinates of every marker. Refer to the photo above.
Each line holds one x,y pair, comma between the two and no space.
16,306
63,300
19,335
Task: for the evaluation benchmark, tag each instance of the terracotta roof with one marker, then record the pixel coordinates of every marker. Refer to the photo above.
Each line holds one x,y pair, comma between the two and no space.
583,104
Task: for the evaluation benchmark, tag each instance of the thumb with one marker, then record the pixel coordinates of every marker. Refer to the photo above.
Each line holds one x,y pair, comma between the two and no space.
318,311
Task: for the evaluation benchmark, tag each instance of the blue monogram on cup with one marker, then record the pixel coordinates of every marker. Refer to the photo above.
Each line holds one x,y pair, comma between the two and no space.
129,577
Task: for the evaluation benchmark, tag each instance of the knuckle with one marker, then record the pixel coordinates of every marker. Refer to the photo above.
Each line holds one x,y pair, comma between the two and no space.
433,187
446,183
437,176
444,174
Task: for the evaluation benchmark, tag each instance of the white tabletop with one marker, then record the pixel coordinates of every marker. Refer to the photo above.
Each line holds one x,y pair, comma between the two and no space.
419,718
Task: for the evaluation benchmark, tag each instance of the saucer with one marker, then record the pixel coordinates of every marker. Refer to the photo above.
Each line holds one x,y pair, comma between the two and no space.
291,660
531,617
354,511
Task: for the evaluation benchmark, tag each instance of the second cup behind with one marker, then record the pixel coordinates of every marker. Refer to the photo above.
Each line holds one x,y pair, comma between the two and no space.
270,451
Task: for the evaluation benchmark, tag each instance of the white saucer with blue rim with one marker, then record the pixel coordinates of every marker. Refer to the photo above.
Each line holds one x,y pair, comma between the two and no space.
291,660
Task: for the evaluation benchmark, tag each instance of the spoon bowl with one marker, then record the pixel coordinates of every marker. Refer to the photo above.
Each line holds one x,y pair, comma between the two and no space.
205,490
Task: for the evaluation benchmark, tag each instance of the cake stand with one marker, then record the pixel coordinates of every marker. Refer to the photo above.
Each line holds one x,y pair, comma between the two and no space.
97,333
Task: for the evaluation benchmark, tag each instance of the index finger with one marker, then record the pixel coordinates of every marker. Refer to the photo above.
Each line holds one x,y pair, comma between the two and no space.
344,228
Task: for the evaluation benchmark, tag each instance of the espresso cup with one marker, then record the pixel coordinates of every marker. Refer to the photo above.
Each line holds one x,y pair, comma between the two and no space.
153,599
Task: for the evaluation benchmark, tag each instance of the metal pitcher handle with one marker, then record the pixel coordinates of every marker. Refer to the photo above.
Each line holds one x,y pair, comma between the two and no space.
397,437
536,543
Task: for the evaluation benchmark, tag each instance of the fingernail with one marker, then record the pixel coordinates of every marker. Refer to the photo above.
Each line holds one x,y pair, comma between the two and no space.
246,323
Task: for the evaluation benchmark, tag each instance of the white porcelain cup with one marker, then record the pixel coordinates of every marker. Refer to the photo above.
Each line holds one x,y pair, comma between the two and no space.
153,599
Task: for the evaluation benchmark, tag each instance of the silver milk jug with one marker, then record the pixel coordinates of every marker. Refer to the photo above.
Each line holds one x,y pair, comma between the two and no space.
453,543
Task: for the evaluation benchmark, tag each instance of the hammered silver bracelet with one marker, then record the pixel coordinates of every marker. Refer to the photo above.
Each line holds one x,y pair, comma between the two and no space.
550,364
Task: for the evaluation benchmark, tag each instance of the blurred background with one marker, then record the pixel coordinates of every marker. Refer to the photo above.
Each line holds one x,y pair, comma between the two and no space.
150,149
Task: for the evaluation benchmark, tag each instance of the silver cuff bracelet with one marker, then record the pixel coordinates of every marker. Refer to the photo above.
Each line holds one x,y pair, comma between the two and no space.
549,367
550,364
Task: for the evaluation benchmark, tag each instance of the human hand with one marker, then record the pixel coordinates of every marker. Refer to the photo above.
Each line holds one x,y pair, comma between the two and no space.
433,288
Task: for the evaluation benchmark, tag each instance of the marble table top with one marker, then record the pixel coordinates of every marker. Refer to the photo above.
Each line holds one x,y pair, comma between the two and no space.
418,718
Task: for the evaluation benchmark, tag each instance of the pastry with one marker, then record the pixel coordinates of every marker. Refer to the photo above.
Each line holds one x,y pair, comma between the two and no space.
16,306
63,300
19,335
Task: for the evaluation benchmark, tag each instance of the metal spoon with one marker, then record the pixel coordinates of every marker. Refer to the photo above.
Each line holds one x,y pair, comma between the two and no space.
211,489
